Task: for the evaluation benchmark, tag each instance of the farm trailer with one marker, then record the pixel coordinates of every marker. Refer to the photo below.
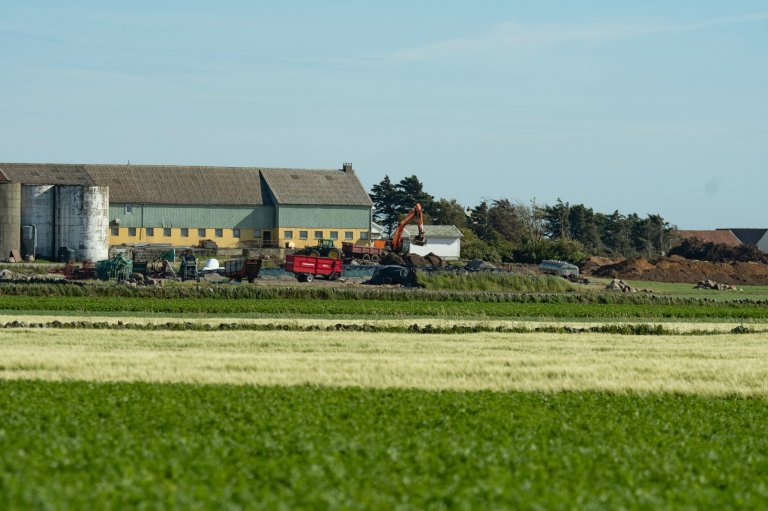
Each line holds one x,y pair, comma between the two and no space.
306,268
239,269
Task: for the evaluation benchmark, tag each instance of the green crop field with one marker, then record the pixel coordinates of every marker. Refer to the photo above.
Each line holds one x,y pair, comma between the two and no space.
251,398
291,307
127,446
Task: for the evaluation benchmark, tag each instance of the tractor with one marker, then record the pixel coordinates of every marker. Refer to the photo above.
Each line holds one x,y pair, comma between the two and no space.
324,248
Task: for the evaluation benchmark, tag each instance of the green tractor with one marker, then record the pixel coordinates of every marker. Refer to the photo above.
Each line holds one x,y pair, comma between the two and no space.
324,248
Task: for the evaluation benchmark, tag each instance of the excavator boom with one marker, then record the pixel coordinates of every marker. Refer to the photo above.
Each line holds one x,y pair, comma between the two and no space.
397,238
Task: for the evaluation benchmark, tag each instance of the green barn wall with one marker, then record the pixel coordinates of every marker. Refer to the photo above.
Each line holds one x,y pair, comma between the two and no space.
151,215
349,217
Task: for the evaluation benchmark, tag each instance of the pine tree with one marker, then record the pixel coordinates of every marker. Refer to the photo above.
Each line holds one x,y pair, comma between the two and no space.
385,198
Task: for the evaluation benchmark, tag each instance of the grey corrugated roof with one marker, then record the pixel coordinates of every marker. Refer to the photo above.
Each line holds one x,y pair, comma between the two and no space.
435,231
47,174
322,187
171,184
193,185
749,236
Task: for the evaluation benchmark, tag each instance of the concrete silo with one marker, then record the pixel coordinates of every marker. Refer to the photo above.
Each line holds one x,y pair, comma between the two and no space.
82,221
38,210
10,218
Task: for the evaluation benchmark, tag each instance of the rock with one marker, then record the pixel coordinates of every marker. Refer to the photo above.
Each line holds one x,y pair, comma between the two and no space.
478,265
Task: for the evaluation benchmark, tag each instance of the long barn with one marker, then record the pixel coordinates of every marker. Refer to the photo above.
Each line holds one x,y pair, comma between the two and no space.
89,207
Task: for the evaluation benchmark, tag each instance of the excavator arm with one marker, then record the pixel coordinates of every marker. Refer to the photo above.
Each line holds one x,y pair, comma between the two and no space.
397,238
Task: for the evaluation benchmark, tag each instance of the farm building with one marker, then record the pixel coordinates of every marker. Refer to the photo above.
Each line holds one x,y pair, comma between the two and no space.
757,237
719,236
730,237
442,240
87,207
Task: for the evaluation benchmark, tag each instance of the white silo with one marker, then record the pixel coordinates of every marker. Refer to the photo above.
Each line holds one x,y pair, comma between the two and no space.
10,219
82,221
38,210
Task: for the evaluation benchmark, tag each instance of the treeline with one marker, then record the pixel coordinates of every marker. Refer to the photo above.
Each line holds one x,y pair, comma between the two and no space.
507,231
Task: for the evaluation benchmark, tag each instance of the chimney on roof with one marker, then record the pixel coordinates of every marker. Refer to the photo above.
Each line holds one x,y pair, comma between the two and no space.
347,167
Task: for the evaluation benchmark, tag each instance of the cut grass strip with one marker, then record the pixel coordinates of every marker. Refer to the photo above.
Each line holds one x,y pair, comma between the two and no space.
701,327
711,365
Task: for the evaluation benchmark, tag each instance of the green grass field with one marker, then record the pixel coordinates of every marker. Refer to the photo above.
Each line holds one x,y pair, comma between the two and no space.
296,307
126,446
304,412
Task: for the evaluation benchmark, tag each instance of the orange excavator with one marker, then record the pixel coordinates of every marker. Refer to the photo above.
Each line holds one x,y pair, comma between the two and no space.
398,245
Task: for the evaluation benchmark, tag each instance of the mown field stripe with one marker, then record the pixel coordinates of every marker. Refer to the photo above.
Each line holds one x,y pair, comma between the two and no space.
727,364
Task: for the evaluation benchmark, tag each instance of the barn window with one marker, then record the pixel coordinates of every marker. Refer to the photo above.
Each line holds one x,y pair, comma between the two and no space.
334,235
364,235
184,232
236,233
131,231
129,209
349,235
318,235
167,232
303,235
150,231
201,233
288,235
219,233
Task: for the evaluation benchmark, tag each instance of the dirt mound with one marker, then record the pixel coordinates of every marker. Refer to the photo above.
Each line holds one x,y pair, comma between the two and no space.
415,260
679,269
412,260
391,258
434,260
589,264
695,248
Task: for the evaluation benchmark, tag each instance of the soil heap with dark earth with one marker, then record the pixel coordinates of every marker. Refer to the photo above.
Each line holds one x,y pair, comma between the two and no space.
412,260
679,269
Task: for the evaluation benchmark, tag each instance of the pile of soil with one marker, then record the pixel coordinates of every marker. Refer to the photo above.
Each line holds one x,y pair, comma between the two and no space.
392,259
591,263
679,269
412,260
694,248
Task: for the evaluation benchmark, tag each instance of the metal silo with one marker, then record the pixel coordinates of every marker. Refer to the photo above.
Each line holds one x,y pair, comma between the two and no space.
82,221
10,218
38,209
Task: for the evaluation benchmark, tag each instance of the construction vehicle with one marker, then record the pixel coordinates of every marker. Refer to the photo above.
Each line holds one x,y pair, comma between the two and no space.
306,268
399,245
324,248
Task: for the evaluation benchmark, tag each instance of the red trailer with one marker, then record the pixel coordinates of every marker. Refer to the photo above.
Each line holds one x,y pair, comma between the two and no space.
306,268
361,253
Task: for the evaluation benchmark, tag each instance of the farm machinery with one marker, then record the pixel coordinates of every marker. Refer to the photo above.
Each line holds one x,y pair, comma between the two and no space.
306,267
242,269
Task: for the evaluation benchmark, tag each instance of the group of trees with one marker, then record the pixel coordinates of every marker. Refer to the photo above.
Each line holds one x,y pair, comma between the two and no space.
506,231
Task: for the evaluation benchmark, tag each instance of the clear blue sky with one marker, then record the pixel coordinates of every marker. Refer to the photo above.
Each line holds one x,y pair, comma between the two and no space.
647,107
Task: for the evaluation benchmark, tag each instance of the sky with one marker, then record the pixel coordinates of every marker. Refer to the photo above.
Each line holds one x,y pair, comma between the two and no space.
650,107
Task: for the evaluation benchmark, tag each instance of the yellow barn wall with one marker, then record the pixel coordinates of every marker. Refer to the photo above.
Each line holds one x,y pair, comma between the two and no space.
359,236
226,240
